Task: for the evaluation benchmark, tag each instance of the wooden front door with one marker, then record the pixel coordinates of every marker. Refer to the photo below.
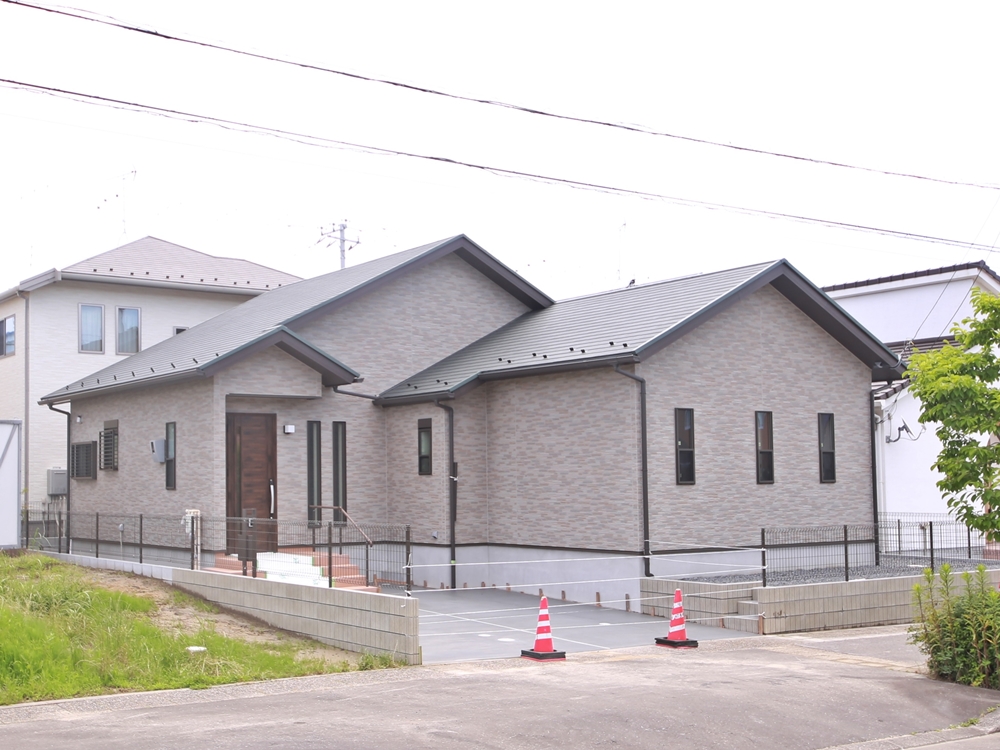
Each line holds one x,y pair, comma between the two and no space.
252,474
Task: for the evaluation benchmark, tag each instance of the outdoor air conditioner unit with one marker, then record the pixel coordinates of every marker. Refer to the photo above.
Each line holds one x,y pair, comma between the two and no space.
159,449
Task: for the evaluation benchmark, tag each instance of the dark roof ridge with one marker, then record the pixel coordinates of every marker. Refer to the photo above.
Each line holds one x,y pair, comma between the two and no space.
980,264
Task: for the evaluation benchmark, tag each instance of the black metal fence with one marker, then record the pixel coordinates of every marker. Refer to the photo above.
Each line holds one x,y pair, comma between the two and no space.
894,547
330,553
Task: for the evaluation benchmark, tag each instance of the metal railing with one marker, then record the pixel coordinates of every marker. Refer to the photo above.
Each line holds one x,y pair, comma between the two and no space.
332,553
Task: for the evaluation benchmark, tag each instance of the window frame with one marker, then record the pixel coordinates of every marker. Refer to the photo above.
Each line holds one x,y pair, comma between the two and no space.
79,332
768,429
679,449
827,450
138,329
170,455
314,471
339,468
88,459
425,462
3,336
107,454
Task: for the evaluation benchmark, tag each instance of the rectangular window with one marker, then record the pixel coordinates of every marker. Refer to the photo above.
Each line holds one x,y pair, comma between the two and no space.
314,472
827,454
684,432
424,446
7,336
83,460
128,330
765,447
170,455
340,468
92,328
109,446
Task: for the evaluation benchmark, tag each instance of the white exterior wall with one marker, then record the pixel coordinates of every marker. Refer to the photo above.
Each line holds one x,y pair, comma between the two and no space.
55,359
925,307
12,373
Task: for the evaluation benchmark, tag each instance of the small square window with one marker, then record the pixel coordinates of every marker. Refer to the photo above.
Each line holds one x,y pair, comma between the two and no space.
83,460
92,328
424,463
827,450
684,436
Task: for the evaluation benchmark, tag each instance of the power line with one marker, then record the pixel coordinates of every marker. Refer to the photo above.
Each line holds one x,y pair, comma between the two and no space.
320,141
109,21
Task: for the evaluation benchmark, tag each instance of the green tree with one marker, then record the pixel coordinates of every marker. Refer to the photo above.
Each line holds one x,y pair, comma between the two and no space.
958,389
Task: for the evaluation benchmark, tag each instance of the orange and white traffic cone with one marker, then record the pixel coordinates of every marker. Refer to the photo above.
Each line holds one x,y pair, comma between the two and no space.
677,638
543,650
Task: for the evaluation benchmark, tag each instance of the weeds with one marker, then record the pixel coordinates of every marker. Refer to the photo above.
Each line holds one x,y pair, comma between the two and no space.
62,637
959,633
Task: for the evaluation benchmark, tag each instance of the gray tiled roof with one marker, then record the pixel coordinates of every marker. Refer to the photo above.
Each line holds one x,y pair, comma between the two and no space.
192,352
155,260
594,328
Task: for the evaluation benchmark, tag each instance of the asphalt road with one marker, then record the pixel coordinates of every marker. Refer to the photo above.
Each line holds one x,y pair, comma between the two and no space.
805,691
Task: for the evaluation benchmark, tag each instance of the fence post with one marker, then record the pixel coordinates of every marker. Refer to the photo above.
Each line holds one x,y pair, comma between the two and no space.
368,579
899,535
59,531
26,519
763,558
968,531
329,553
407,561
140,538
192,541
878,544
847,557
931,525
97,534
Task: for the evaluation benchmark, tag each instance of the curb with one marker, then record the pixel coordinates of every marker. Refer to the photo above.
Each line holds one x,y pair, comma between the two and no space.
989,723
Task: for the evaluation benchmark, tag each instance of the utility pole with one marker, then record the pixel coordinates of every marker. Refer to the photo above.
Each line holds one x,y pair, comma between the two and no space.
337,233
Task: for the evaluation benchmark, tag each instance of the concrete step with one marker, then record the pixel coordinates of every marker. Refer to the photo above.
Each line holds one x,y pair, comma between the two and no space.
748,607
748,625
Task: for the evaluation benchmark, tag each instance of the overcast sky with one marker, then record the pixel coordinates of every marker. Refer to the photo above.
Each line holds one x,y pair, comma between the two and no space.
904,87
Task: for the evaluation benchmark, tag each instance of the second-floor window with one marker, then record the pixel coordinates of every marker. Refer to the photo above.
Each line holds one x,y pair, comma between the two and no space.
827,450
765,447
128,330
684,435
92,328
7,336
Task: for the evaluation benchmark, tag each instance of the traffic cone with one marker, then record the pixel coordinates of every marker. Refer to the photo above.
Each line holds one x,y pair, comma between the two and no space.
678,632
543,650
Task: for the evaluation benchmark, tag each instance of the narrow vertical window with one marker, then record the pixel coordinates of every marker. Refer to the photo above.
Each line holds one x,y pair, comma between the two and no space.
92,328
128,330
423,446
108,454
684,431
827,454
340,468
314,472
170,455
765,448
7,336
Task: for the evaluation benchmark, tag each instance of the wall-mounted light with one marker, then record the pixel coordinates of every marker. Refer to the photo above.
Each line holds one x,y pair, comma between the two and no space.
289,429
79,419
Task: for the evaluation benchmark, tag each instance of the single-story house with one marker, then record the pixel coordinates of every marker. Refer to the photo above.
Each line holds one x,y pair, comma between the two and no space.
437,388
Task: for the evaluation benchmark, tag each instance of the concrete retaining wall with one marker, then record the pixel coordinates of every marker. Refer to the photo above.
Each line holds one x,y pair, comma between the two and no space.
788,609
351,620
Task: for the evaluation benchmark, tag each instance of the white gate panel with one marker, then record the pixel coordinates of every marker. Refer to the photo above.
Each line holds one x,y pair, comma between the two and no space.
10,483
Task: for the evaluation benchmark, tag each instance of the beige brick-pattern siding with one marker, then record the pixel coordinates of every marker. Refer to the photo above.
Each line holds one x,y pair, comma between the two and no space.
763,353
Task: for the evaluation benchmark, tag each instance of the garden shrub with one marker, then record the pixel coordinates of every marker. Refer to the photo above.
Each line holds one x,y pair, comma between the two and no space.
959,632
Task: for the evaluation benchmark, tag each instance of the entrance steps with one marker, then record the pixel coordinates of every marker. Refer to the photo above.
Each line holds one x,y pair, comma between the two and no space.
299,565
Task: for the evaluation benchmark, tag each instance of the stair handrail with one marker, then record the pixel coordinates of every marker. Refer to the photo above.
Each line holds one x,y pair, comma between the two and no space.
353,522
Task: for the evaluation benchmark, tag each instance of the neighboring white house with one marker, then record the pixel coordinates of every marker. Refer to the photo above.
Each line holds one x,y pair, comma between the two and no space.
64,324
911,312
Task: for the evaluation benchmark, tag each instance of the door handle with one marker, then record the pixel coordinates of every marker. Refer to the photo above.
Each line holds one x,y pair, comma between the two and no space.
271,482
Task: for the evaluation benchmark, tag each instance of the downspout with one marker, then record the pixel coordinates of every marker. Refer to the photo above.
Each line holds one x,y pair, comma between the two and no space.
871,408
452,487
645,467
69,484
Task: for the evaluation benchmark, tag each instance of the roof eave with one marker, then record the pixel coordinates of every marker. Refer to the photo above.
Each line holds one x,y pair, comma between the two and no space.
62,397
162,284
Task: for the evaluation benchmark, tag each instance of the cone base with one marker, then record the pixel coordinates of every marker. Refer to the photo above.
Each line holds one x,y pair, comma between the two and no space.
676,643
542,655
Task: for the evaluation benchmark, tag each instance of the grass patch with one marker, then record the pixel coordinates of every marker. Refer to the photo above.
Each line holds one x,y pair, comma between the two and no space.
61,637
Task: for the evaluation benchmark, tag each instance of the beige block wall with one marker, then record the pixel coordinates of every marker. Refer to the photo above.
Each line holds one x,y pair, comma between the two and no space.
414,321
764,354
55,359
139,486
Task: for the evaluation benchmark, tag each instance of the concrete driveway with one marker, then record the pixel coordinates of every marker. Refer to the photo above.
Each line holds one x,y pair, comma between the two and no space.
809,692
470,624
